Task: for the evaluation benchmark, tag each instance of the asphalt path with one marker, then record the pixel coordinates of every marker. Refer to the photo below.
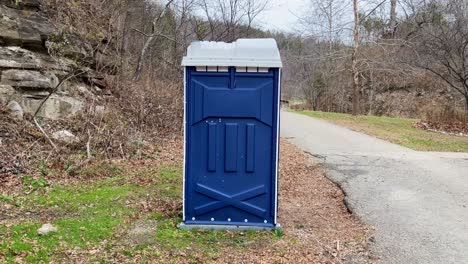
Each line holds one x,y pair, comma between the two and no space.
416,201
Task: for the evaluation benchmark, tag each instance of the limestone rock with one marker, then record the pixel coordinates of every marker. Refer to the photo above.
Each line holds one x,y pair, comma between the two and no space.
55,107
29,79
143,232
99,110
28,72
46,229
6,90
84,90
22,4
65,136
20,58
78,49
15,109
25,28
35,94
26,4
8,28
7,93
16,57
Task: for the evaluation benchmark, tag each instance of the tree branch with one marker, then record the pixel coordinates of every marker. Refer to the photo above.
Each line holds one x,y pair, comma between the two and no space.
68,77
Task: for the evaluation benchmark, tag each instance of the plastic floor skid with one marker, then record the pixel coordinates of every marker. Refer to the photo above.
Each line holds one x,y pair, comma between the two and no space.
229,227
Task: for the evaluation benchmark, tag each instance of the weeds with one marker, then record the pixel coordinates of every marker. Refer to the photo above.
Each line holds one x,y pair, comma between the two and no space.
34,184
447,115
44,170
278,233
100,170
8,200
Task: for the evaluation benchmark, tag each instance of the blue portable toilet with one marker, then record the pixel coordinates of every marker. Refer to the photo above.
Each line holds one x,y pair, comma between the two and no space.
232,95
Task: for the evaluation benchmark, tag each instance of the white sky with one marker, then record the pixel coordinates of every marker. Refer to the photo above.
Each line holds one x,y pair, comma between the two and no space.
281,15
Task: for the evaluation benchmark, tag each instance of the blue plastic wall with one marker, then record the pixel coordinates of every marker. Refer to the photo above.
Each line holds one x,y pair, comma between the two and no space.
231,144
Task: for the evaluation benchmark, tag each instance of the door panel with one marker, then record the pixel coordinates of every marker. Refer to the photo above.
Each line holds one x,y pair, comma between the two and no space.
230,149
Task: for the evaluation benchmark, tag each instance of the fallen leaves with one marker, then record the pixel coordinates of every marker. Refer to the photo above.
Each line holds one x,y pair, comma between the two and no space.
454,128
317,225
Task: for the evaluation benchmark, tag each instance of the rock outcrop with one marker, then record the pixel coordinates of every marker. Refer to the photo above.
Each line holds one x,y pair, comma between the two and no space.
65,136
15,109
28,73
46,229
23,25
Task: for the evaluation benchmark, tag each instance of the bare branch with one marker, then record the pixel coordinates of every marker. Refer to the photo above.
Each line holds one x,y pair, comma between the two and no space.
66,78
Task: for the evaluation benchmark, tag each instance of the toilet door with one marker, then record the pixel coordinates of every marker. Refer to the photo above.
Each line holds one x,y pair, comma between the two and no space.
231,149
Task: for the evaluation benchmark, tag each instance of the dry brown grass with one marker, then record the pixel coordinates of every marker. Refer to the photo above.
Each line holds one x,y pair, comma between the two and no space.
448,119
447,115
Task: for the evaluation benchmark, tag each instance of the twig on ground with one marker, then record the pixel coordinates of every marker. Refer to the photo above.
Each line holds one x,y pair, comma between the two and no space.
45,134
121,151
88,146
327,249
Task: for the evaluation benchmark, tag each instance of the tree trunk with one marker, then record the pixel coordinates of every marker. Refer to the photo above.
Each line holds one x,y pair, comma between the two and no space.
466,103
149,40
354,66
330,27
371,95
392,25
141,59
132,20
465,117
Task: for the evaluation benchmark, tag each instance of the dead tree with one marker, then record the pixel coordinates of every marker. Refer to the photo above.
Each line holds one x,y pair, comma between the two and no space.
252,9
442,45
393,17
324,19
354,60
226,17
155,33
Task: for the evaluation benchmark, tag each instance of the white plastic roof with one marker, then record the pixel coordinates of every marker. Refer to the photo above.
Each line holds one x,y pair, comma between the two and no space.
242,53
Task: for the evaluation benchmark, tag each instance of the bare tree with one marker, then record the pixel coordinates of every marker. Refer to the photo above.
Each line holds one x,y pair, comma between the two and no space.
252,9
442,44
325,20
354,59
227,17
324,26
149,39
393,17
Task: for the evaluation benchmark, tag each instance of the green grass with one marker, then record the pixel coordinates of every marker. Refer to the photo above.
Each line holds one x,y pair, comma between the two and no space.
170,183
100,169
84,216
93,213
396,130
7,200
172,238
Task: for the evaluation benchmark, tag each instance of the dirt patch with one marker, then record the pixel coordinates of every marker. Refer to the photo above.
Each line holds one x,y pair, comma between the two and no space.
142,232
317,225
